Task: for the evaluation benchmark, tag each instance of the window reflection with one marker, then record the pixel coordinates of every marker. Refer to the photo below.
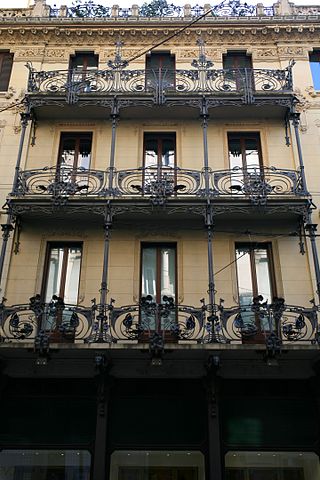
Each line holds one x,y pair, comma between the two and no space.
159,150
63,273
75,151
158,279
254,278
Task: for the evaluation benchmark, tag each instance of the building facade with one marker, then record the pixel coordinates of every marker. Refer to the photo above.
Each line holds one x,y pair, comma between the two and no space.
159,263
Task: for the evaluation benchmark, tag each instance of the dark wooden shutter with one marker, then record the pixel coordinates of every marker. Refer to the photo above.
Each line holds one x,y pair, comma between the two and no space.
6,60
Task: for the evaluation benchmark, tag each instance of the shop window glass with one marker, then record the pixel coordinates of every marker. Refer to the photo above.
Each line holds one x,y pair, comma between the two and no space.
160,465
275,465
45,465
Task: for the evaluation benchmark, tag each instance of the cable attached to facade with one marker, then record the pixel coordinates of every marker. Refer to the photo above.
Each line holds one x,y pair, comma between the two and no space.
190,24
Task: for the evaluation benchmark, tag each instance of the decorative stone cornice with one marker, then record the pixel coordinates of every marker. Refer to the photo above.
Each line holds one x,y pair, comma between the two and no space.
97,36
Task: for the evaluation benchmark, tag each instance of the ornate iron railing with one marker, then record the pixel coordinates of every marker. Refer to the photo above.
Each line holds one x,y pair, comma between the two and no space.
275,323
43,322
257,183
229,8
62,181
246,82
158,184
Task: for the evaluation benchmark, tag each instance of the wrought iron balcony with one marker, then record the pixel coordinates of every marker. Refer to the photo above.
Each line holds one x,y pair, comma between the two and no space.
275,323
244,83
158,184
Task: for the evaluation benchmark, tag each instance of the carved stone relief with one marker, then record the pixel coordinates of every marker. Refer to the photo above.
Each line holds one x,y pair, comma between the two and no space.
32,53
292,51
266,53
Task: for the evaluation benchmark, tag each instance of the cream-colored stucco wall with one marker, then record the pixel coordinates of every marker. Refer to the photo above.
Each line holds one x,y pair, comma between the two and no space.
294,272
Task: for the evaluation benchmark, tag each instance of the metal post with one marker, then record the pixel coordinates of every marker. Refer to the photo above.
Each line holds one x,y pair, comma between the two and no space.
209,225
295,121
100,463
6,230
25,118
205,116
215,461
114,122
104,280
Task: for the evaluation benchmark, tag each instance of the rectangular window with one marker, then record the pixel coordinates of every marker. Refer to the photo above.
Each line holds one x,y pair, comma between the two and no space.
158,279
159,150
159,161
244,150
277,465
45,464
6,60
255,277
160,70
314,59
236,59
75,150
254,272
62,272
84,61
158,271
238,73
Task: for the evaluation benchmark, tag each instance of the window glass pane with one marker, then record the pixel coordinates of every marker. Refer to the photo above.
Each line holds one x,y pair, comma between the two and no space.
244,273
235,154
157,465
167,153
68,152
84,61
151,152
6,60
63,273
159,149
263,274
237,60
149,272
272,466
54,273
251,152
44,464
84,155
315,69
168,272
72,275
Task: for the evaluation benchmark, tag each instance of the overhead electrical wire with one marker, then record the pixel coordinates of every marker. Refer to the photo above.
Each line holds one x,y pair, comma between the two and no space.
166,39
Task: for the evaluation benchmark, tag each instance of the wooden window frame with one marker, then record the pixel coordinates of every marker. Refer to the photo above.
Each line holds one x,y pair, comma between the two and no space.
235,55
66,246
77,136
160,69
158,246
243,136
252,247
160,137
86,56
